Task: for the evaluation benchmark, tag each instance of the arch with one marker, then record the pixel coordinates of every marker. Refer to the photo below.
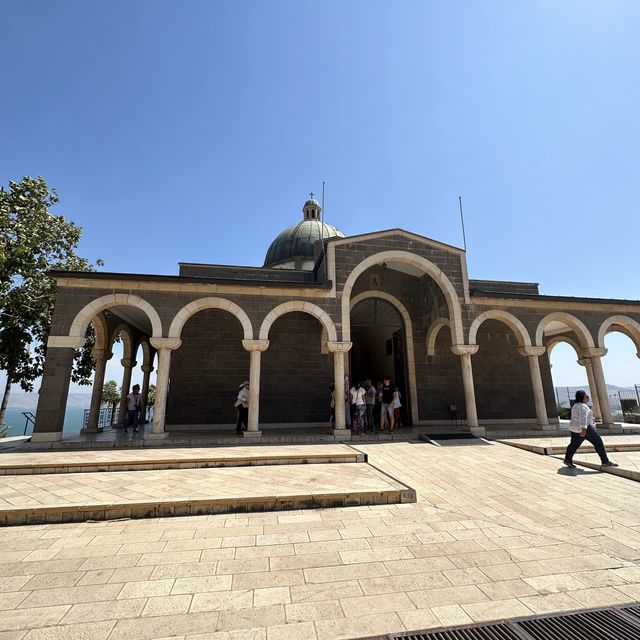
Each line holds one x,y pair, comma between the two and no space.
584,335
124,332
520,331
432,334
405,257
305,307
411,361
88,312
556,340
210,303
99,325
148,353
631,326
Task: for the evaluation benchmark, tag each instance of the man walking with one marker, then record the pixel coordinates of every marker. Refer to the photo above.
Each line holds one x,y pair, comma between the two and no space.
389,395
134,404
582,427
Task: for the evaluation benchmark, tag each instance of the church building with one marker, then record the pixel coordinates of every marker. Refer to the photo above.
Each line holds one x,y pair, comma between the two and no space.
321,307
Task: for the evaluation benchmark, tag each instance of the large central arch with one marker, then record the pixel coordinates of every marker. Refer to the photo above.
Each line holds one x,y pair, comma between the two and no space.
411,363
405,257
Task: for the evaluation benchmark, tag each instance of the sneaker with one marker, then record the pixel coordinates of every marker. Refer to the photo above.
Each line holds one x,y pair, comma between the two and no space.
608,463
569,464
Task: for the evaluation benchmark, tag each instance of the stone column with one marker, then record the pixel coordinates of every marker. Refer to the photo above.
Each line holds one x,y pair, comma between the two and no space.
586,363
595,356
52,400
128,364
146,370
255,349
465,351
339,349
100,356
164,347
533,354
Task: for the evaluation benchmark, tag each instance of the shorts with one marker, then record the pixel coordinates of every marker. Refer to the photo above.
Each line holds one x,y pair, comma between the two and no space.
387,409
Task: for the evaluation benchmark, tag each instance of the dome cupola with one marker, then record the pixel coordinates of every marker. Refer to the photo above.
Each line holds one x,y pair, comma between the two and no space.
294,248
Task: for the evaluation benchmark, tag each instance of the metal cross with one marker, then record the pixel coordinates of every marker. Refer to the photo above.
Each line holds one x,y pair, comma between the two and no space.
311,195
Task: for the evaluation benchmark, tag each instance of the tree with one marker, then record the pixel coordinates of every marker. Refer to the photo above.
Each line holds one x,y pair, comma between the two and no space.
151,398
33,241
111,396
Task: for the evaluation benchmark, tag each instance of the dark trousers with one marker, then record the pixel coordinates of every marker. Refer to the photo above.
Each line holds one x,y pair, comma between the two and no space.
593,437
131,419
243,418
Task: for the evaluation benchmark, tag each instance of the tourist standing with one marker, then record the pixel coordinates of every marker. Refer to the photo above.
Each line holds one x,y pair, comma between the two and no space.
134,404
582,427
242,407
397,415
370,401
388,395
332,403
358,399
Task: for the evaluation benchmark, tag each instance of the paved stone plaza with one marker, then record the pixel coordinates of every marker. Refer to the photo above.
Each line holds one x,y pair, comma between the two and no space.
496,532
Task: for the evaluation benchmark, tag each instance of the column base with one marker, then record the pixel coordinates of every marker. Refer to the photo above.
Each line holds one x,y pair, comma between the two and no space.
156,436
476,431
545,427
343,434
46,436
251,435
612,425
90,430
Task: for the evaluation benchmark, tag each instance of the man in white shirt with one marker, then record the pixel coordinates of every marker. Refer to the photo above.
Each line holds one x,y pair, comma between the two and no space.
134,404
582,427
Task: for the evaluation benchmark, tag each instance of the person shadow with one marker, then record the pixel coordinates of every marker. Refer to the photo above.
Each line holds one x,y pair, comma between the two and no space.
578,471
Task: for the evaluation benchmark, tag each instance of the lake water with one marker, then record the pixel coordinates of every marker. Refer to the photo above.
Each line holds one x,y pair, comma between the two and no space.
72,420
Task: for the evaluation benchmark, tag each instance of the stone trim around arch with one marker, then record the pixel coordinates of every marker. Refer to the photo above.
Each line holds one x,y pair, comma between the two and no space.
180,319
631,326
89,311
432,334
411,358
519,330
428,267
304,307
123,330
554,341
579,328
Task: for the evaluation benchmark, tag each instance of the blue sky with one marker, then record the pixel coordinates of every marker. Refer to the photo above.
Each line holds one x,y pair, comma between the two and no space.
194,130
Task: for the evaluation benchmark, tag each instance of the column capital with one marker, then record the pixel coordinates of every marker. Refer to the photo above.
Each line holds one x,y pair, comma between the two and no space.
593,352
101,354
165,343
531,351
584,362
128,363
65,342
340,347
146,368
464,349
255,345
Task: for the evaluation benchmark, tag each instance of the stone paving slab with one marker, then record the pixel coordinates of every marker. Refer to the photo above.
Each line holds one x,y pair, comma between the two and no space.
167,492
558,444
629,463
31,462
496,532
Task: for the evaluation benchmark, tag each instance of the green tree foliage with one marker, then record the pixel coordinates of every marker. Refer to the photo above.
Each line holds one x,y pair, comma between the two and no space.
33,241
111,396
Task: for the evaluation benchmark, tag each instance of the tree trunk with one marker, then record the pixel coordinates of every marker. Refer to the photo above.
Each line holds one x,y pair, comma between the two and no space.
5,400
113,411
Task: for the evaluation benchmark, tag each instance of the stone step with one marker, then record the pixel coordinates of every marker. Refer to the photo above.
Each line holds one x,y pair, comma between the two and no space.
183,492
557,445
129,459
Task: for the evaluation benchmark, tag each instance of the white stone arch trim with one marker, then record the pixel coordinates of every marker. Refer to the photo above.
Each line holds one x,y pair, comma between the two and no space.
432,334
406,257
87,313
100,329
583,334
408,325
632,327
201,304
124,331
148,353
520,331
304,307
554,341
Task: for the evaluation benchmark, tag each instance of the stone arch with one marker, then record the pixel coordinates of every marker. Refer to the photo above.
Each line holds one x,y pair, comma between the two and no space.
631,330
210,303
556,340
582,333
128,348
91,310
99,325
148,353
305,307
520,331
432,334
411,361
428,267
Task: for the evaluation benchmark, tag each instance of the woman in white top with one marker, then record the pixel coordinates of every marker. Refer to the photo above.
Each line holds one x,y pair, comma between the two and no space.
582,427
242,407
358,393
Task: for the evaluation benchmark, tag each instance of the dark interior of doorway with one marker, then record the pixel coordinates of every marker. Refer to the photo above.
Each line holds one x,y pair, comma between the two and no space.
379,347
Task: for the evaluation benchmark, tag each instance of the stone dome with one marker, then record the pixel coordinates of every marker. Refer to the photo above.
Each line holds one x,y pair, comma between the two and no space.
294,247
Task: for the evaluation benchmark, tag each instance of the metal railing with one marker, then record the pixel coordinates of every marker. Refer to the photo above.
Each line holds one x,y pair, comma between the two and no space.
106,418
29,419
622,401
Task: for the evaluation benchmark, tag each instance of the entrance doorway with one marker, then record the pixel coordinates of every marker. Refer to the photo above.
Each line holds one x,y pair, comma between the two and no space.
379,348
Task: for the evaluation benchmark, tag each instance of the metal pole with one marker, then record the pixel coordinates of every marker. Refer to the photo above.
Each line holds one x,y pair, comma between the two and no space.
637,393
464,236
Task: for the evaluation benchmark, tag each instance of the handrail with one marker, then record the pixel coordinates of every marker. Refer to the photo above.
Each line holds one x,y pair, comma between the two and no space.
29,418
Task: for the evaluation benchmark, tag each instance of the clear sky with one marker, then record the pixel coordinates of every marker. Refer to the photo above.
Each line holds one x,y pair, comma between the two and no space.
194,130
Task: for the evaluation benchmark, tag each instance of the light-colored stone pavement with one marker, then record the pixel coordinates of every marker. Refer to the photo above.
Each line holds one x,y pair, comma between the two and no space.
66,497
628,463
558,444
496,532
122,459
